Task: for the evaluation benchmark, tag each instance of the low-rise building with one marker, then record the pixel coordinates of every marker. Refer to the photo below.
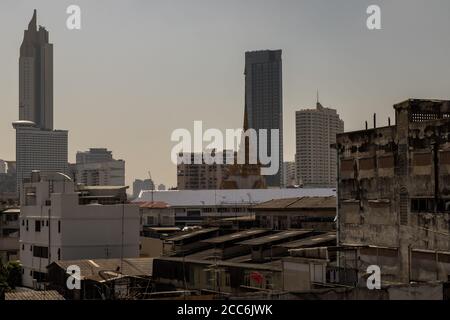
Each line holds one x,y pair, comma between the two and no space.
62,221
156,214
394,185
193,207
9,234
128,278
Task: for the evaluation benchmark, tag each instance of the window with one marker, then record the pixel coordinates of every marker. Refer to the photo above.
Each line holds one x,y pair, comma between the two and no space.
40,252
27,225
59,226
39,276
37,226
150,221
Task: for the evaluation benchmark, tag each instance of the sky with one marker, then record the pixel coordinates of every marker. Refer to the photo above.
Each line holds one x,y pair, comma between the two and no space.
139,69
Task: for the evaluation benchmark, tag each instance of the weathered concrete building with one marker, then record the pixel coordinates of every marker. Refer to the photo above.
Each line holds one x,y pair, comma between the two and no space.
394,187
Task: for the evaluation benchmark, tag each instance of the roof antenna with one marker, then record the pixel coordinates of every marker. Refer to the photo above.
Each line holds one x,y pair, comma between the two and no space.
318,105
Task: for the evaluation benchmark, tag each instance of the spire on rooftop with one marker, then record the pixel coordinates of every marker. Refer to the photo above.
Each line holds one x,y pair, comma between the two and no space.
33,22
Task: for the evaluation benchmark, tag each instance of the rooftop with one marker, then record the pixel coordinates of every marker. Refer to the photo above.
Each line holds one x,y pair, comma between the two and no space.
313,241
201,198
153,204
298,203
236,236
253,266
280,236
33,295
111,267
192,234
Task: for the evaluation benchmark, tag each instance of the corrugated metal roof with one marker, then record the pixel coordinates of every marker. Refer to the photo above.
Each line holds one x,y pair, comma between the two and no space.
153,204
253,266
191,234
202,198
299,203
236,236
275,237
310,241
34,295
110,267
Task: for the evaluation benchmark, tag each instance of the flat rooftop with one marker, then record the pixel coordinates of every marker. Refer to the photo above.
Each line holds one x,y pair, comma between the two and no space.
280,236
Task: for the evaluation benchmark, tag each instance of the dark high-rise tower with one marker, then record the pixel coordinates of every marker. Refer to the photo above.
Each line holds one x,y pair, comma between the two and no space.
36,77
264,99
38,146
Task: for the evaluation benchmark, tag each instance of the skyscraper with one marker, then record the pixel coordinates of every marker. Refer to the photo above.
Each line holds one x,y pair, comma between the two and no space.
316,130
38,146
264,100
38,149
36,77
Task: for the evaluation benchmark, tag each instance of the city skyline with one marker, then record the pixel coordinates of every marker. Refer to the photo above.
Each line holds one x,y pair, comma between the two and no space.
385,62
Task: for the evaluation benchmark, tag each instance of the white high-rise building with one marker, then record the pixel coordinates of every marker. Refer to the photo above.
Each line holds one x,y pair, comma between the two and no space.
289,174
316,131
139,185
94,155
62,221
111,173
38,149
97,167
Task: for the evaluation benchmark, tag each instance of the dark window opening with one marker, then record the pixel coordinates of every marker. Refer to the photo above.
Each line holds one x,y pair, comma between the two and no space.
40,252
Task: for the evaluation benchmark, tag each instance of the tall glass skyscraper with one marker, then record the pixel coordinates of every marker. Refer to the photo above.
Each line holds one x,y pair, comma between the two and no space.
264,99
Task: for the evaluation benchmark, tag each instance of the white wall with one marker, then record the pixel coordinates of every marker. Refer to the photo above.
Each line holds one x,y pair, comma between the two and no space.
87,231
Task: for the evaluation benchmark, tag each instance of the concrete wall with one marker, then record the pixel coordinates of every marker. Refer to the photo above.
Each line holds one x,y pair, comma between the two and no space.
386,173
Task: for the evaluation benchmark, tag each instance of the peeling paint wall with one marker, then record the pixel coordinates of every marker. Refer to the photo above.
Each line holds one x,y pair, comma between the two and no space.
394,183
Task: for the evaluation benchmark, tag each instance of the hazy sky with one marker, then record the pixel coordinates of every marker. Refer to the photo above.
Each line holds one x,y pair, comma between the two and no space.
140,69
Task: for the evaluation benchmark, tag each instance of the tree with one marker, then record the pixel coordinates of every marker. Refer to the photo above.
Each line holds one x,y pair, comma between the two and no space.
10,276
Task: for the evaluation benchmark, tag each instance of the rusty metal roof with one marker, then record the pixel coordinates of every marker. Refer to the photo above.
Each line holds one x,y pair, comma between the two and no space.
153,204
